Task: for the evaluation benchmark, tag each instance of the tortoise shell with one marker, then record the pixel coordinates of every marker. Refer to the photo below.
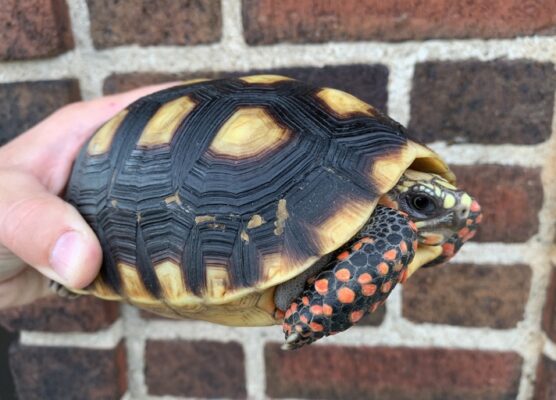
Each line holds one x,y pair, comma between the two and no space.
207,195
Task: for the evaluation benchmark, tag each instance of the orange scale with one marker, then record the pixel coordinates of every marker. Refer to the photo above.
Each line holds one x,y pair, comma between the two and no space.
448,249
403,276
463,232
373,307
365,278
321,286
327,310
356,316
403,247
288,313
475,207
304,319
415,245
343,255
479,219
299,329
287,328
316,310
382,268
343,275
386,287
305,300
346,295
293,307
279,314
315,327
469,236
390,255
368,289
367,240
412,225
357,246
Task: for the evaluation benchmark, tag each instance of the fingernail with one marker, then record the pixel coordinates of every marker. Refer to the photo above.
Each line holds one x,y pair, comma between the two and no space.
66,253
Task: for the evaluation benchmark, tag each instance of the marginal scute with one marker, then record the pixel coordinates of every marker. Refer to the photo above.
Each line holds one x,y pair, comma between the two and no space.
264,79
344,104
162,126
387,169
133,286
170,277
249,132
217,280
101,141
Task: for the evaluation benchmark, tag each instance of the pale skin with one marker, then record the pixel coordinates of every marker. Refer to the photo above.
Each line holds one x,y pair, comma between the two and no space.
41,236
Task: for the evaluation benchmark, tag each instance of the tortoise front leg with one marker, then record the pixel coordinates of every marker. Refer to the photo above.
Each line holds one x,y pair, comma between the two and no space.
356,282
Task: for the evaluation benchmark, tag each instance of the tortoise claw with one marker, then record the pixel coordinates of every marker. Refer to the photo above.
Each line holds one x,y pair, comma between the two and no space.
292,342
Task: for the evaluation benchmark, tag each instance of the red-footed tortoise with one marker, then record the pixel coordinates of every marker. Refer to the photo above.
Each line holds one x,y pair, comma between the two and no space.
263,200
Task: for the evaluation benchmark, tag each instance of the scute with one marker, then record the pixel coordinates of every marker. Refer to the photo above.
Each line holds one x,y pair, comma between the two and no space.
207,195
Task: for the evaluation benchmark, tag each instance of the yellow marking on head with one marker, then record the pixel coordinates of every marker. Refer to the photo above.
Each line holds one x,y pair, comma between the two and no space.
466,200
344,104
218,280
250,131
163,125
449,201
281,217
264,78
255,221
204,218
102,139
171,280
340,227
132,283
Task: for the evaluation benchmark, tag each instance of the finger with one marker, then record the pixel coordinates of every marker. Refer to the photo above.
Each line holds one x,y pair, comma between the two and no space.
23,288
46,232
48,149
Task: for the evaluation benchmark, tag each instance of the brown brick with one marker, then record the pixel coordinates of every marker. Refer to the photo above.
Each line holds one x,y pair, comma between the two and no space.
468,295
549,313
23,104
545,386
164,22
330,372
510,196
68,373
55,314
374,319
195,369
483,102
368,82
268,21
34,29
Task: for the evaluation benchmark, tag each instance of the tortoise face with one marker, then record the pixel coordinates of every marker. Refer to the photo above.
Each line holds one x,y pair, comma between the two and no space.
445,216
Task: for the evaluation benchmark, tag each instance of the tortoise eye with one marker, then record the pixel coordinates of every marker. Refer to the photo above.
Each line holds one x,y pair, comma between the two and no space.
422,203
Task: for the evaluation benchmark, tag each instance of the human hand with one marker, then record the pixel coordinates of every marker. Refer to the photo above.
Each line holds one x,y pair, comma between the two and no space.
41,236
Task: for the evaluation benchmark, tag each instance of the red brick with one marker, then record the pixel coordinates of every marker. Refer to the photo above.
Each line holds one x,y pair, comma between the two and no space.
545,386
55,314
164,22
368,82
68,373
330,372
483,102
549,313
201,368
34,29
468,295
23,104
511,198
267,21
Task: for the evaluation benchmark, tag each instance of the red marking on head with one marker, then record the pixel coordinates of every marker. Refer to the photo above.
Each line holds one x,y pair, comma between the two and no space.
345,295
316,309
315,327
382,268
327,310
386,287
304,319
390,254
475,207
365,278
356,315
357,246
343,274
343,255
321,286
403,247
305,300
368,289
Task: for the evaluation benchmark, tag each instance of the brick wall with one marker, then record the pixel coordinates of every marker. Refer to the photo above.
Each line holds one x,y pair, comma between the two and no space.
475,79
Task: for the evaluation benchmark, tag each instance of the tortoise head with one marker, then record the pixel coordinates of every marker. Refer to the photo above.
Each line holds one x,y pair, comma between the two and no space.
445,216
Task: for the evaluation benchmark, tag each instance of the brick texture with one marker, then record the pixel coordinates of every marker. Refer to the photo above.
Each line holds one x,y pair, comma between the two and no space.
390,373
54,314
195,369
483,102
23,104
468,295
164,22
545,387
549,312
367,82
511,198
68,373
267,22
34,29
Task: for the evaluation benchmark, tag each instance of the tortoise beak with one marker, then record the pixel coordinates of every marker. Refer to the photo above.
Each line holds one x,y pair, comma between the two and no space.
423,256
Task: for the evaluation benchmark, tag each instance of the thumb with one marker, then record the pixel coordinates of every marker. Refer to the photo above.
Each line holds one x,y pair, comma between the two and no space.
46,232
